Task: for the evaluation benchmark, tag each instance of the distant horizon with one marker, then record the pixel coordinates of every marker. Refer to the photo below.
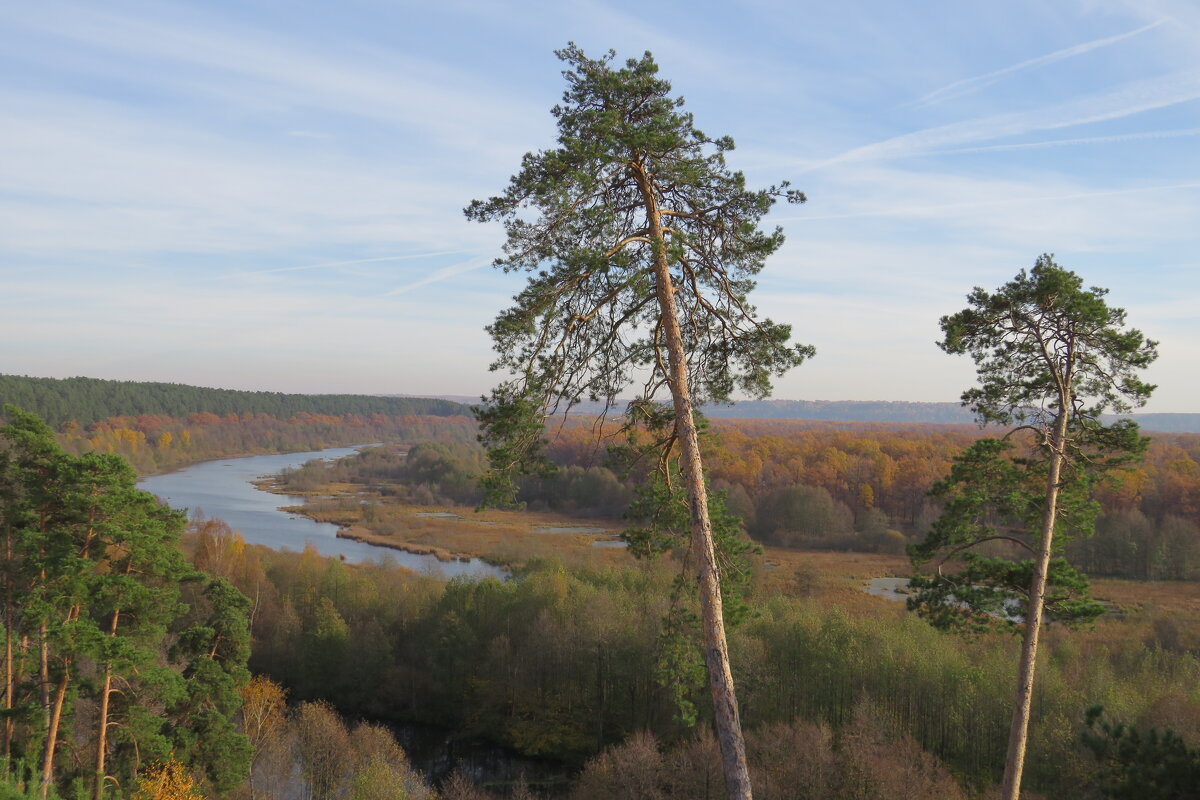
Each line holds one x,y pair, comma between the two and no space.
467,399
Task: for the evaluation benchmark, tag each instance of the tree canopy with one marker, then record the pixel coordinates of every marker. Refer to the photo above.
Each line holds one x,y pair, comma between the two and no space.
105,608
88,400
588,325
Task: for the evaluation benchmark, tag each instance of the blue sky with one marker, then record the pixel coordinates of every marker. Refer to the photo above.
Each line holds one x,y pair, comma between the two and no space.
268,195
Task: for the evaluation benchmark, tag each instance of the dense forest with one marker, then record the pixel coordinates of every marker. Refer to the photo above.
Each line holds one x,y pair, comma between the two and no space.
89,400
571,665
153,443
843,698
120,657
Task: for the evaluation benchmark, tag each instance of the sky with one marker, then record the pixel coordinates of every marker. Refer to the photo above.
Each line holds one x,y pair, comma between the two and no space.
268,194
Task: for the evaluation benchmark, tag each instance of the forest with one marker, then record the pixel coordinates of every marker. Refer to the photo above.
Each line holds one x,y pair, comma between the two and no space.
573,665
804,485
88,400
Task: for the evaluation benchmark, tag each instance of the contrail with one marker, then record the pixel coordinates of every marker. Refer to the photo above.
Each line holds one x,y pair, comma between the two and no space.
1125,100
901,210
440,275
1119,137
967,84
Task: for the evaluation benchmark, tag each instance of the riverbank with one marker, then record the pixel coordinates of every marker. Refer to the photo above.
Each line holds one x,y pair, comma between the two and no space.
369,514
357,533
225,488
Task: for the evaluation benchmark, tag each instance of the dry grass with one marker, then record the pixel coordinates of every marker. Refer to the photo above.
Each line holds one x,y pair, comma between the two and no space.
832,578
501,537
829,578
1181,597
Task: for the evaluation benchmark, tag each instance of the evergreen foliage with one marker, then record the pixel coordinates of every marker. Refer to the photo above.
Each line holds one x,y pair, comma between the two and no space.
1152,765
94,589
990,496
588,325
88,400
1051,356
642,247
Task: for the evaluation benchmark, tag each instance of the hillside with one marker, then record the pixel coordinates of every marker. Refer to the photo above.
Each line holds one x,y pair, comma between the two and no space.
88,400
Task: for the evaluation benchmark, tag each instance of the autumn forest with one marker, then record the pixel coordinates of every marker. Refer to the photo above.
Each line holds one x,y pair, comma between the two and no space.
578,661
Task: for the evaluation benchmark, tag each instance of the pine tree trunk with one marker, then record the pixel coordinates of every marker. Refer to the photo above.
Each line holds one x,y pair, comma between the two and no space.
9,665
52,731
102,733
716,652
1018,736
44,669
102,728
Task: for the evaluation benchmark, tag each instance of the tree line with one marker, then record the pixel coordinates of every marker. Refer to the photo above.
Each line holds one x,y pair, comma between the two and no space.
808,485
155,443
88,400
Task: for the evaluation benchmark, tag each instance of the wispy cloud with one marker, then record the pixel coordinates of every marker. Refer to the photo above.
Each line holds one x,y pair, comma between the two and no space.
121,180
1114,139
245,65
967,85
1126,100
333,264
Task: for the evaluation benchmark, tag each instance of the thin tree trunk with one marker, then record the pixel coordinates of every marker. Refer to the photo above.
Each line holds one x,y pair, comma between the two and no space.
1018,736
9,666
102,732
716,652
44,669
52,731
102,735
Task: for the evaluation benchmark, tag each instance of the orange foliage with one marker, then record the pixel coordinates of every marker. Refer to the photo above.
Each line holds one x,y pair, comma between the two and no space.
886,466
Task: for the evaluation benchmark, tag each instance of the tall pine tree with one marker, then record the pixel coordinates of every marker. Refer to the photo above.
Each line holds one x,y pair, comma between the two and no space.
1051,356
642,246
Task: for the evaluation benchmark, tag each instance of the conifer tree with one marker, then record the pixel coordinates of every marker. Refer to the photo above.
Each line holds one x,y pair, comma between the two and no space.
641,246
92,577
1051,356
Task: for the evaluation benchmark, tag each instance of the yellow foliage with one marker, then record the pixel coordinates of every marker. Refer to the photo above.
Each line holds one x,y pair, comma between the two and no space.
169,781
264,711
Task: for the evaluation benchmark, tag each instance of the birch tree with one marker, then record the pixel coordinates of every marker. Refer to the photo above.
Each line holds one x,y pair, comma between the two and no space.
641,246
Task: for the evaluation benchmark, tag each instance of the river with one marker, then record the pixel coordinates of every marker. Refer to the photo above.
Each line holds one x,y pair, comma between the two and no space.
224,488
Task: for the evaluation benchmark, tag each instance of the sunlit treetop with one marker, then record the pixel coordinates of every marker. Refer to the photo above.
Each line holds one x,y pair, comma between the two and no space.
578,218
1042,339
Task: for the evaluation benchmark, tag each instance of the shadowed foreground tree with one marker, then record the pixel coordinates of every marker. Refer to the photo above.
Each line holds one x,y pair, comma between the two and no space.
1141,765
642,246
1051,356
93,582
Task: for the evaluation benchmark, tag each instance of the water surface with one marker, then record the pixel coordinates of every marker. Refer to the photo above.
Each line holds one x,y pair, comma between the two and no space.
223,489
